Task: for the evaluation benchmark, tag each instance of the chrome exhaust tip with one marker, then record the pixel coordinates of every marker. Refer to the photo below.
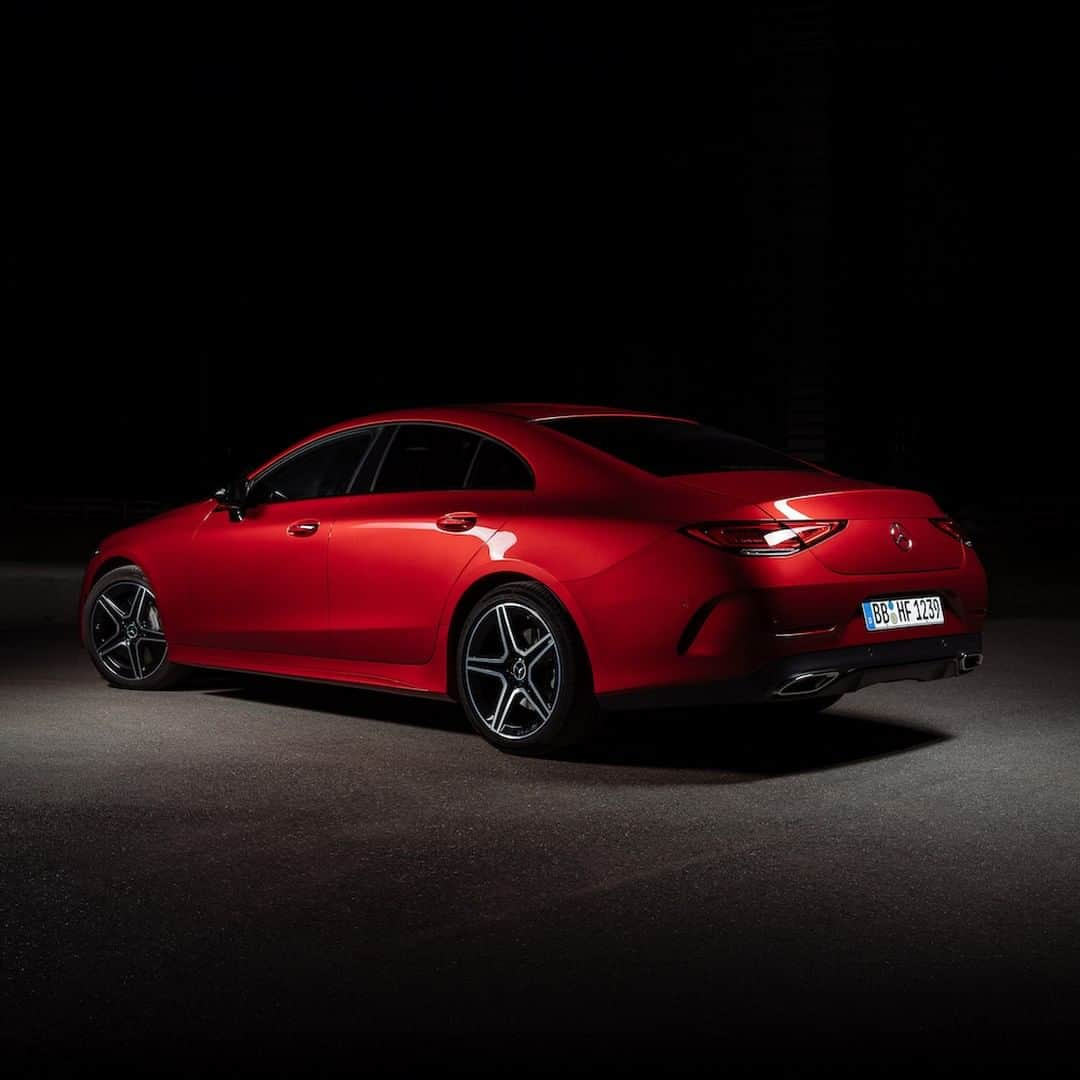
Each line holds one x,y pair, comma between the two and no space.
809,682
969,661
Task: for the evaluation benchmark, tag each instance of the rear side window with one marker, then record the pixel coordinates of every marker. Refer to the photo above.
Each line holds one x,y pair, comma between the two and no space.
499,469
672,447
427,457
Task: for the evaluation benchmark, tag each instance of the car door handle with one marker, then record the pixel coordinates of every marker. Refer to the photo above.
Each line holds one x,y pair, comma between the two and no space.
461,521
303,528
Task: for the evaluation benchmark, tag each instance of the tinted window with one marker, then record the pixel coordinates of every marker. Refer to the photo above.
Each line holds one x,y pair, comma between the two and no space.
330,468
427,457
672,447
499,469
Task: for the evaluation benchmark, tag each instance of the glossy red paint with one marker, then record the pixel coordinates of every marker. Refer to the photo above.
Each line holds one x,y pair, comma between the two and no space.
373,592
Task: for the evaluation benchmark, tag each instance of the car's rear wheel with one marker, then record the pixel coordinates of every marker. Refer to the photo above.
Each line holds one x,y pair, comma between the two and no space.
523,677
123,632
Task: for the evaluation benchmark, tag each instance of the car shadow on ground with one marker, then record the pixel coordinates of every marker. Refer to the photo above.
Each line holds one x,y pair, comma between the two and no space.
333,699
745,741
752,741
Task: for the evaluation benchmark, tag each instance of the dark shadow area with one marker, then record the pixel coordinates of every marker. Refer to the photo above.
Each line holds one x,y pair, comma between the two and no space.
41,643
745,742
752,740
338,700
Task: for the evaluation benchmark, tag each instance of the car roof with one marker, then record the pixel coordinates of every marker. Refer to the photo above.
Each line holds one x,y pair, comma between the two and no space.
547,410
478,414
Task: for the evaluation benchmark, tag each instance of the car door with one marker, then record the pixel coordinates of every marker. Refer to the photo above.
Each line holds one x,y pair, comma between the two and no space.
258,581
396,552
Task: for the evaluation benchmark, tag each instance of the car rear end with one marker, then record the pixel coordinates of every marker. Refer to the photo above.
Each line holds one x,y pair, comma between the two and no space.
855,586
772,579
811,593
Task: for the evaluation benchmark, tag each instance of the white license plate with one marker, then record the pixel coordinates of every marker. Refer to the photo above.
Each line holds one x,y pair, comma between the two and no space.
902,612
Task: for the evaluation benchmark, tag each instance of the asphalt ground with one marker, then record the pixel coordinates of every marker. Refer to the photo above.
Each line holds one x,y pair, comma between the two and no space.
261,876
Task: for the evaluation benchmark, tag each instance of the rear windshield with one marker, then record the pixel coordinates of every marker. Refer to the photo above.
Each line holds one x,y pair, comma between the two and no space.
672,447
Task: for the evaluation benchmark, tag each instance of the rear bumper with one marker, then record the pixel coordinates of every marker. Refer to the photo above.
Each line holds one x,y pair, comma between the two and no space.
849,669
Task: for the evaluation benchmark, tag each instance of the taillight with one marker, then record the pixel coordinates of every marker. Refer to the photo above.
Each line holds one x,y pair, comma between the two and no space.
950,528
764,537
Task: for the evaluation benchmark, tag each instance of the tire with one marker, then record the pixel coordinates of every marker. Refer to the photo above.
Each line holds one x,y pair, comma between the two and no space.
522,675
123,633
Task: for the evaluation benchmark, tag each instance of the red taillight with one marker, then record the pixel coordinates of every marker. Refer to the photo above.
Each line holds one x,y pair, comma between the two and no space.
950,528
764,537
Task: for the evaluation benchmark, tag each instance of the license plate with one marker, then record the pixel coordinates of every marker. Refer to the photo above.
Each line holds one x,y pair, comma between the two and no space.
902,612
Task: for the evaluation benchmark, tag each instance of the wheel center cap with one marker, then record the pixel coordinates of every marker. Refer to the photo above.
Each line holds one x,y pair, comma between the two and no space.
518,670
132,631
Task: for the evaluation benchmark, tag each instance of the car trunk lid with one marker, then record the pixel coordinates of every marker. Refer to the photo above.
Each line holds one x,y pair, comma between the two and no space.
888,531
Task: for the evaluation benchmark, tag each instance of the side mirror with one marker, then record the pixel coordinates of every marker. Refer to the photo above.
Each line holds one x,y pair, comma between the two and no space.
234,496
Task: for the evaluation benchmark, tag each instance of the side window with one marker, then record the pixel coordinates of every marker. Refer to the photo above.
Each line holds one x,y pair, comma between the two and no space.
499,469
325,470
427,457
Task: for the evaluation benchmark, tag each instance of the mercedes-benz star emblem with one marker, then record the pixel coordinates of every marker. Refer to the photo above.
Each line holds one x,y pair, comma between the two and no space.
900,538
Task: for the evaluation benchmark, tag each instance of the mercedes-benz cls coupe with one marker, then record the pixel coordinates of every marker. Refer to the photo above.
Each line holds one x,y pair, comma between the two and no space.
538,562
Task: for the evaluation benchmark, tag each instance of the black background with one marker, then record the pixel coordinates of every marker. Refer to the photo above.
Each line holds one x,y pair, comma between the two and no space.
231,228
848,230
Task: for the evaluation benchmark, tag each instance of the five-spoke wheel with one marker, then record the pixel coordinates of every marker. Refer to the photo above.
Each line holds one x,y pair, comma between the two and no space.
521,669
123,631
512,670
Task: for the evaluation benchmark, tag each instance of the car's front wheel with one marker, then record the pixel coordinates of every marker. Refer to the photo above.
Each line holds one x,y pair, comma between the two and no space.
522,673
123,632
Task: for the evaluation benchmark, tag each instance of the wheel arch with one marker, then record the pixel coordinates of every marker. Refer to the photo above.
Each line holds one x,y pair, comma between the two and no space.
113,562
472,594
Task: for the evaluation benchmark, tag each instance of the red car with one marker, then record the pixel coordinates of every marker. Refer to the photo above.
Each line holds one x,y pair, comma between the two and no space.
534,562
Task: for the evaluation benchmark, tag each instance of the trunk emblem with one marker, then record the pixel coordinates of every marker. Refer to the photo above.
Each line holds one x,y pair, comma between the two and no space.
900,538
